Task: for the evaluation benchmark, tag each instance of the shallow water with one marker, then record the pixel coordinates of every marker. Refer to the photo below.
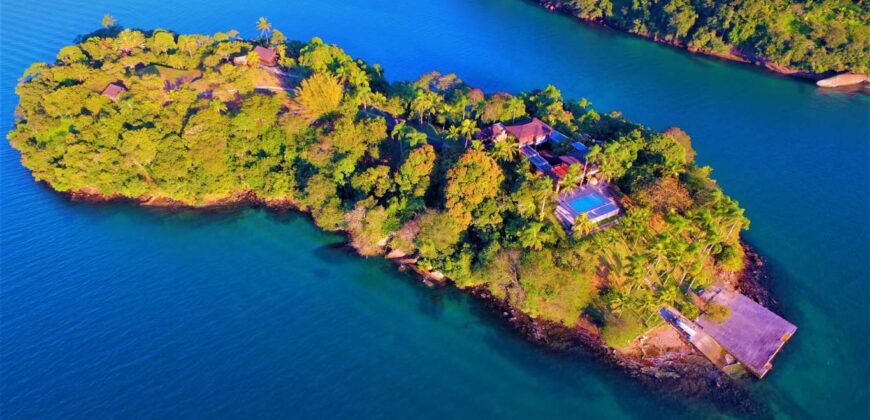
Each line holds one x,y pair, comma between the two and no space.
117,311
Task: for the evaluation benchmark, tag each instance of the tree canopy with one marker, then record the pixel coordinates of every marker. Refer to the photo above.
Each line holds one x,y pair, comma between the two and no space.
808,35
195,129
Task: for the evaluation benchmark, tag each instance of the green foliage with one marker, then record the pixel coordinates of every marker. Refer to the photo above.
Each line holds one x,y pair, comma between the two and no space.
475,178
553,292
717,313
108,21
71,54
439,233
809,35
619,331
319,95
192,128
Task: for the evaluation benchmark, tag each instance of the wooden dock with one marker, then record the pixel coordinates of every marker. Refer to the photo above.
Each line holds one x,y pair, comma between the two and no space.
750,333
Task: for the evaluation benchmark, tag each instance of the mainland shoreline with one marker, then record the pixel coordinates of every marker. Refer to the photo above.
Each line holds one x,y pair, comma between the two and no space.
851,82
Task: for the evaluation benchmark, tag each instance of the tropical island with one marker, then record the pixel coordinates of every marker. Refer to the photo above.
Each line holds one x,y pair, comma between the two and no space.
827,39
578,226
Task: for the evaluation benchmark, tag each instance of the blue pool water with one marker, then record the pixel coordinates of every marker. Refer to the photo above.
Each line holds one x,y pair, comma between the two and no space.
114,311
587,203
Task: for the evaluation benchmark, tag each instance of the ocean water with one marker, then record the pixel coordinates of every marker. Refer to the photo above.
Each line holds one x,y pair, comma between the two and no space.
116,311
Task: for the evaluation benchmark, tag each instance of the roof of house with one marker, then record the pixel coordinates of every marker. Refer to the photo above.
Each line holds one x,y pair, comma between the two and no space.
530,131
560,170
580,149
113,90
490,132
267,55
751,333
570,160
540,163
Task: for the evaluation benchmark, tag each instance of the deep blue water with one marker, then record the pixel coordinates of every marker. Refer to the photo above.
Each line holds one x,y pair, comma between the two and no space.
114,311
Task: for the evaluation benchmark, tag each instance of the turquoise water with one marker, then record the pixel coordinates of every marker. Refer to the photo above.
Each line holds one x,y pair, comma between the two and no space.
587,203
113,311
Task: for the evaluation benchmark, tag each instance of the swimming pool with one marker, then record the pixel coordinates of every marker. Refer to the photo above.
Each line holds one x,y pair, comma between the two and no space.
587,203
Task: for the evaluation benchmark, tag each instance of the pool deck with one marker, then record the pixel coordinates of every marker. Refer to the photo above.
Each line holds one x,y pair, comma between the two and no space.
566,213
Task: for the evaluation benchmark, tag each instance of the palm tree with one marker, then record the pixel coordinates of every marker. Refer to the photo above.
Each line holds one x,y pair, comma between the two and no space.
618,302
582,225
542,190
130,40
365,96
454,133
424,103
468,128
462,103
397,134
264,27
187,43
592,156
516,105
505,151
535,236
572,179
109,21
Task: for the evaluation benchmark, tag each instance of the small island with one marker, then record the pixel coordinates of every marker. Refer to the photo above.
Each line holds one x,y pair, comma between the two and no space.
579,227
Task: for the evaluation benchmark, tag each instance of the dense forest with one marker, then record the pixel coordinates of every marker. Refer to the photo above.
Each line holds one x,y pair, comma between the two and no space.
814,36
197,120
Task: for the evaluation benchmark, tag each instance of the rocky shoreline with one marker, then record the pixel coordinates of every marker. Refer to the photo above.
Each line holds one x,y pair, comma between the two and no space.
857,82
681,371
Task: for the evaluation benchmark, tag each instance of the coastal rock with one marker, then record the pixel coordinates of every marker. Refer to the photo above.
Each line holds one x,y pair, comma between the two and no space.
845,79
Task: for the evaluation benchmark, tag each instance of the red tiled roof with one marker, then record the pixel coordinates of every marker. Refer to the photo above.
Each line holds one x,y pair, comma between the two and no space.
113,90
530,131
267,55
560,170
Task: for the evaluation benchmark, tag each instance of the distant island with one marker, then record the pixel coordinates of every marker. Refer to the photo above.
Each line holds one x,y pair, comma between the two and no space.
579,227
807,38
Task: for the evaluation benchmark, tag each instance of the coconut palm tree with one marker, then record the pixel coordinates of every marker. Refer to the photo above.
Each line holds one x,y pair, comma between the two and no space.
505,151
397,134
542,190
425,104
461,104
591,157
619,302
129,40
454,133
582,225
572,179
264,26
515,106
535,236
468,128
109,21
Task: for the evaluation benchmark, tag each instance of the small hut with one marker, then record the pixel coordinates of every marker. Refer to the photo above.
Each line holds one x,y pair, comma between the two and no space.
268,56
113,90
